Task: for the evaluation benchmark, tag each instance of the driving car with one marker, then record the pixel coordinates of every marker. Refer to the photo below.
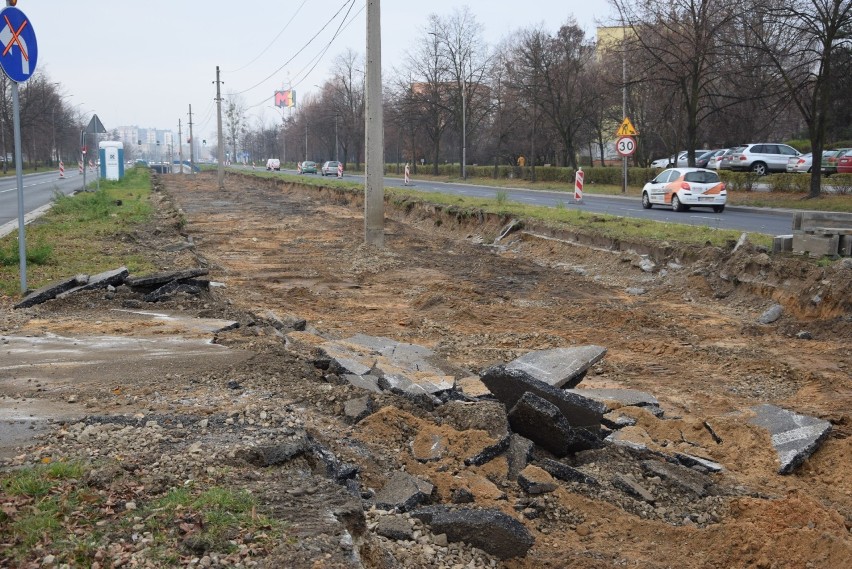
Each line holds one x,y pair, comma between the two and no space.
801,163
329,168
763,158
309,167
683,188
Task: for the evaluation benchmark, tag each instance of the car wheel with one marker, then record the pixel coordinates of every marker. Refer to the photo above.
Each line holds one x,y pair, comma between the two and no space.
759,168
646,201
718,208
676,205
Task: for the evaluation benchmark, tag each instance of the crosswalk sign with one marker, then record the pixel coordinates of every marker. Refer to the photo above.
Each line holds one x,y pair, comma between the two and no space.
626,128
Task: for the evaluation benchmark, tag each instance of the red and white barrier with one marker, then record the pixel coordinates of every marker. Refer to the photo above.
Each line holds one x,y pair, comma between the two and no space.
407,174
91,165
80,164
298,167
340,169
61,170
578,186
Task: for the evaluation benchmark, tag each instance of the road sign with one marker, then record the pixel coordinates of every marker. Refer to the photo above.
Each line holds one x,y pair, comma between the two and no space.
626,128
20,51
625,146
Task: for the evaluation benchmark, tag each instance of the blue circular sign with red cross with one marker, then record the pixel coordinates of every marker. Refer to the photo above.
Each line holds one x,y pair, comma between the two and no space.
18,49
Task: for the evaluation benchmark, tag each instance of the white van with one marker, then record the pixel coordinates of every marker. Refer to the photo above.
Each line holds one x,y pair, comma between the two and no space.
273,164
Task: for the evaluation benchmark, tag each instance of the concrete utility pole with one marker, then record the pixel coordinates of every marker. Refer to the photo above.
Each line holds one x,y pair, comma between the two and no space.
191,144
374,199
180,148
221,149
624,105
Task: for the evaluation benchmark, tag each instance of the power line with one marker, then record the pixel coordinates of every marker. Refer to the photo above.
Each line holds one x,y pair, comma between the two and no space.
296,13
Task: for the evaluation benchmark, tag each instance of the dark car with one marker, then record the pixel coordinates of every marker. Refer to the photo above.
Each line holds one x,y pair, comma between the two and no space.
309,167
702,160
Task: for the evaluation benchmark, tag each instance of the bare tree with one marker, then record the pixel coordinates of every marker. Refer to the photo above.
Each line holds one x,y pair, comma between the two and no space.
800,37
235,121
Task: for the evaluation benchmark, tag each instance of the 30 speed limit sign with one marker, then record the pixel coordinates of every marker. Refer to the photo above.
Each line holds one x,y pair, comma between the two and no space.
625,146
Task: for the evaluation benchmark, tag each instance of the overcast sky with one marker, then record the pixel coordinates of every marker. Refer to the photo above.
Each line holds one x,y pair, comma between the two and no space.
144,63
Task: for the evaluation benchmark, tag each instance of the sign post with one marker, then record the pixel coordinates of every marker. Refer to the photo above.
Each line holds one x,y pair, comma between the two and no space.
18,60
625,133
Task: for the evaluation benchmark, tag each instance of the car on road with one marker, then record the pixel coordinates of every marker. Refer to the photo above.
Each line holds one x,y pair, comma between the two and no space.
802,163
830,158
309,167
273,164
763,158
329,168
683,188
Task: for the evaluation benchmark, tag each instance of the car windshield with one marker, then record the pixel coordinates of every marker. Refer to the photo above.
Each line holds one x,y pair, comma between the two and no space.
701,177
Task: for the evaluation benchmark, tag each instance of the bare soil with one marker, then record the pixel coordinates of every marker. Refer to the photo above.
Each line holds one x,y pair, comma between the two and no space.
681,324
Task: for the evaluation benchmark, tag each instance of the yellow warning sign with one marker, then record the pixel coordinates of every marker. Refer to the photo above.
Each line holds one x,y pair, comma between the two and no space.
626,129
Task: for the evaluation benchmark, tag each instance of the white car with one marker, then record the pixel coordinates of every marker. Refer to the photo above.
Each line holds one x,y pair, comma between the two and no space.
682,188
682,159
802,163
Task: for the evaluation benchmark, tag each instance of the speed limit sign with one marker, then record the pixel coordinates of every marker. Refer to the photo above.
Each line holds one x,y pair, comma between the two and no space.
625,146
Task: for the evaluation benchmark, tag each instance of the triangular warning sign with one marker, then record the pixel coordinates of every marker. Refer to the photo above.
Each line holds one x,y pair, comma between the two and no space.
95,126
626,128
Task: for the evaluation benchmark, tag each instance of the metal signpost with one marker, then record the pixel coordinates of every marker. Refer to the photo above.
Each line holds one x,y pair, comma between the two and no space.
18,60
625,146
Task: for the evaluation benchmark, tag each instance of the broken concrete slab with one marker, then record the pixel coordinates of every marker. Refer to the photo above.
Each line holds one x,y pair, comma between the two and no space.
628,484
106,279
156,280
559,367
615,398
541,421
680,476
399,363
52,290
367,382
490,530
566,473
285,323
403,492
395,527
509,385
795,437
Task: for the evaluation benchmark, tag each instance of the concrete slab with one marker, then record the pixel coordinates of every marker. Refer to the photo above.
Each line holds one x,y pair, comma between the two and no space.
795,437
509,385
816,245
559,367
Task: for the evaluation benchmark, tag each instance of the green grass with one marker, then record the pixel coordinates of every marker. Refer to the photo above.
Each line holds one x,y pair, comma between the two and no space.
60,244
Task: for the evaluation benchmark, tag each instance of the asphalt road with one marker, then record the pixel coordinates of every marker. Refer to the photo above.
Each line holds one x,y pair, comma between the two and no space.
39,190
749,219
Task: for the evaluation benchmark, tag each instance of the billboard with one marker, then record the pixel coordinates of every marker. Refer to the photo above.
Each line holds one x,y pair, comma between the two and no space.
285,98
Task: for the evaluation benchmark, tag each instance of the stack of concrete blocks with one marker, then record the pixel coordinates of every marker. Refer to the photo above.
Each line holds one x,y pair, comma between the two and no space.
818,233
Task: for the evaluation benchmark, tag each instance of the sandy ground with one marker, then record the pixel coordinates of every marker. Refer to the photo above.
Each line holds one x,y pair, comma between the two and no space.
681,324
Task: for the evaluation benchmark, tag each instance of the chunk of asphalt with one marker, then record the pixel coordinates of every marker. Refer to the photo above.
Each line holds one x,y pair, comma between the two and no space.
403,492
509,385
518,454
627,484
617,420
680,476
114,277
156,280
357,409
621,397
285,323
489,453
170,289
367,382
559,367
566,473
771,314
541,421
274,455
51,291
795,437
395,527
490,530
536,480
692,461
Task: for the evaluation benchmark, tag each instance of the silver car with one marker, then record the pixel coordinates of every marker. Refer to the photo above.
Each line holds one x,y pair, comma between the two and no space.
802,163
763,158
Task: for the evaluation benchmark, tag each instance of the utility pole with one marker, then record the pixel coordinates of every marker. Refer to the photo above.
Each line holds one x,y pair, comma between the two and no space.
221,149
374,199
624,105
191,143
180,147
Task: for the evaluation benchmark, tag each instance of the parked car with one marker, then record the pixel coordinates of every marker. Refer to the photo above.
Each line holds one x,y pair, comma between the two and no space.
830,158
702,160
309,167
844,164
724,162
801,163
763,158
329,168
683,188
669,162
273,164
